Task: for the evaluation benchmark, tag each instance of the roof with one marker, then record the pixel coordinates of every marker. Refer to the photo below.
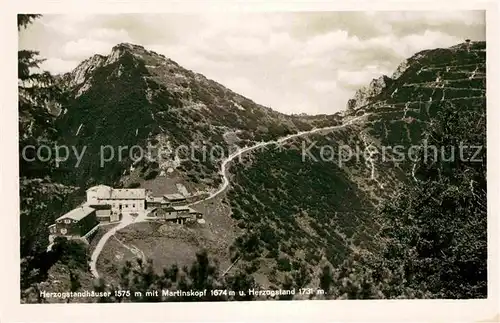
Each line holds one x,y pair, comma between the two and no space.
78,213
167,213
106,192
175,196
102,191
156,199
193,211
97,187
185,208
100,206
181,208
128,193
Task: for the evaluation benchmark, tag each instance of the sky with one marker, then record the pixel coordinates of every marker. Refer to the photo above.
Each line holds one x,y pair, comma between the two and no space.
293,62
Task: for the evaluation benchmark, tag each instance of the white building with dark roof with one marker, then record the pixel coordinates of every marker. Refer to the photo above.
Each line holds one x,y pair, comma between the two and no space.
121,199
96,193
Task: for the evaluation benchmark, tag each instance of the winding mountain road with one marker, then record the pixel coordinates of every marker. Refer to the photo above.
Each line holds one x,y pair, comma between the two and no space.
223,171
128,219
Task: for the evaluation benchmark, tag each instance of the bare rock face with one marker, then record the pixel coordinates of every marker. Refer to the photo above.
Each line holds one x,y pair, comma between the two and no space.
81,76
400,69
364,95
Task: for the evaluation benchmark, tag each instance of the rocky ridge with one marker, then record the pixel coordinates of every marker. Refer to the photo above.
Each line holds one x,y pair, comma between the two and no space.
316,212
136,96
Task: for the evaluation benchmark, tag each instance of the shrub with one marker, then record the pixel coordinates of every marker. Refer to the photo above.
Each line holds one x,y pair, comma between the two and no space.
236,214
284,264
273,253
151,175
284,248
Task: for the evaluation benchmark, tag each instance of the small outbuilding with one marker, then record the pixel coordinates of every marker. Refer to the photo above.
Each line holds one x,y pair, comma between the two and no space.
75,224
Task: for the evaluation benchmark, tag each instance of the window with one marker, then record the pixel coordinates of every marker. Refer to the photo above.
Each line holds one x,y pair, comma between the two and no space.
67,221
64,231
133,205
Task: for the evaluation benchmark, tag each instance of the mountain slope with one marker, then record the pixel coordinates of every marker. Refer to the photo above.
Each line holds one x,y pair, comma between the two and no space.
373,225
138,97
316,211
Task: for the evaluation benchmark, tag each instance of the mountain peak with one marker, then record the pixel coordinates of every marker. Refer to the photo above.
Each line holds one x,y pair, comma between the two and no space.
129,46
138,51
120,49
82,72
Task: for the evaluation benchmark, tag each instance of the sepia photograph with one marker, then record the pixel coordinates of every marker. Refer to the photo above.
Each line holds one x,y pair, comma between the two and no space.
142,179
258,156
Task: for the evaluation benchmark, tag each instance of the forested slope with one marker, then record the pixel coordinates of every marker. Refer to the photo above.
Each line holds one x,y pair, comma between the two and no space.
386,223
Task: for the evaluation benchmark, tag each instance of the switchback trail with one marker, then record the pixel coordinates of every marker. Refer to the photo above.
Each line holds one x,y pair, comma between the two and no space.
225,162
127,219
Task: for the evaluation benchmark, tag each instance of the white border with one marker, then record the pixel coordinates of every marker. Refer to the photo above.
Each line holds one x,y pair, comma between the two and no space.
310,311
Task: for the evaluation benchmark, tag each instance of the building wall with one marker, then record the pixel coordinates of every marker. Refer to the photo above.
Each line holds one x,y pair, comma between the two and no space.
179,216
115,217
153,204
127,205
94,195
87,223
177,213
103,215
66,227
